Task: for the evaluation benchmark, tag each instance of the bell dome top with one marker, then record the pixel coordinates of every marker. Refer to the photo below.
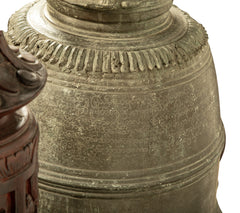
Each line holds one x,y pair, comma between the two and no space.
108,36
110,11
120,4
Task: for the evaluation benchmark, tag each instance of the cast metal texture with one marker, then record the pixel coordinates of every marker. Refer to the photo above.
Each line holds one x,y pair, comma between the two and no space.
21,79
130,115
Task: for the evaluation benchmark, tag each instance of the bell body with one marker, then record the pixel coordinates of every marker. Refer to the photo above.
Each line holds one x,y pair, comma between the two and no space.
130,116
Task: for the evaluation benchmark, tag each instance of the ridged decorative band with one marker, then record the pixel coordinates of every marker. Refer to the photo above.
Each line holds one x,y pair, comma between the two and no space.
81,60
81,183
155,82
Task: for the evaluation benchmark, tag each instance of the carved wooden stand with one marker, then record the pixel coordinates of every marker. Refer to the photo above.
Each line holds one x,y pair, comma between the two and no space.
21,79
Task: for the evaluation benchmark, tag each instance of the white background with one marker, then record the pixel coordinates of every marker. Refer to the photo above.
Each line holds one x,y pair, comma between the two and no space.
222,21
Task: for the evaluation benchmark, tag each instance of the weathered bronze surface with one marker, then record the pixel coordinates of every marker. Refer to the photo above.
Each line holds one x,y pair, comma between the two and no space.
130,115
21,79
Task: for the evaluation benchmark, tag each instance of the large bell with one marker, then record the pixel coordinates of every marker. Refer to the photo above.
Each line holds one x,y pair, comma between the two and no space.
130,116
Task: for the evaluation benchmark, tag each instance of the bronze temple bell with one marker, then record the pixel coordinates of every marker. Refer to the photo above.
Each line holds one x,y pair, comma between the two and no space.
130,116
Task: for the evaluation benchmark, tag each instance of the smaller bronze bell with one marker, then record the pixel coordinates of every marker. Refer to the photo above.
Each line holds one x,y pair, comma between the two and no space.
21,79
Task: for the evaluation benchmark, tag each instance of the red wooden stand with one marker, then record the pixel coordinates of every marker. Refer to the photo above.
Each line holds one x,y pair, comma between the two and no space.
21,79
